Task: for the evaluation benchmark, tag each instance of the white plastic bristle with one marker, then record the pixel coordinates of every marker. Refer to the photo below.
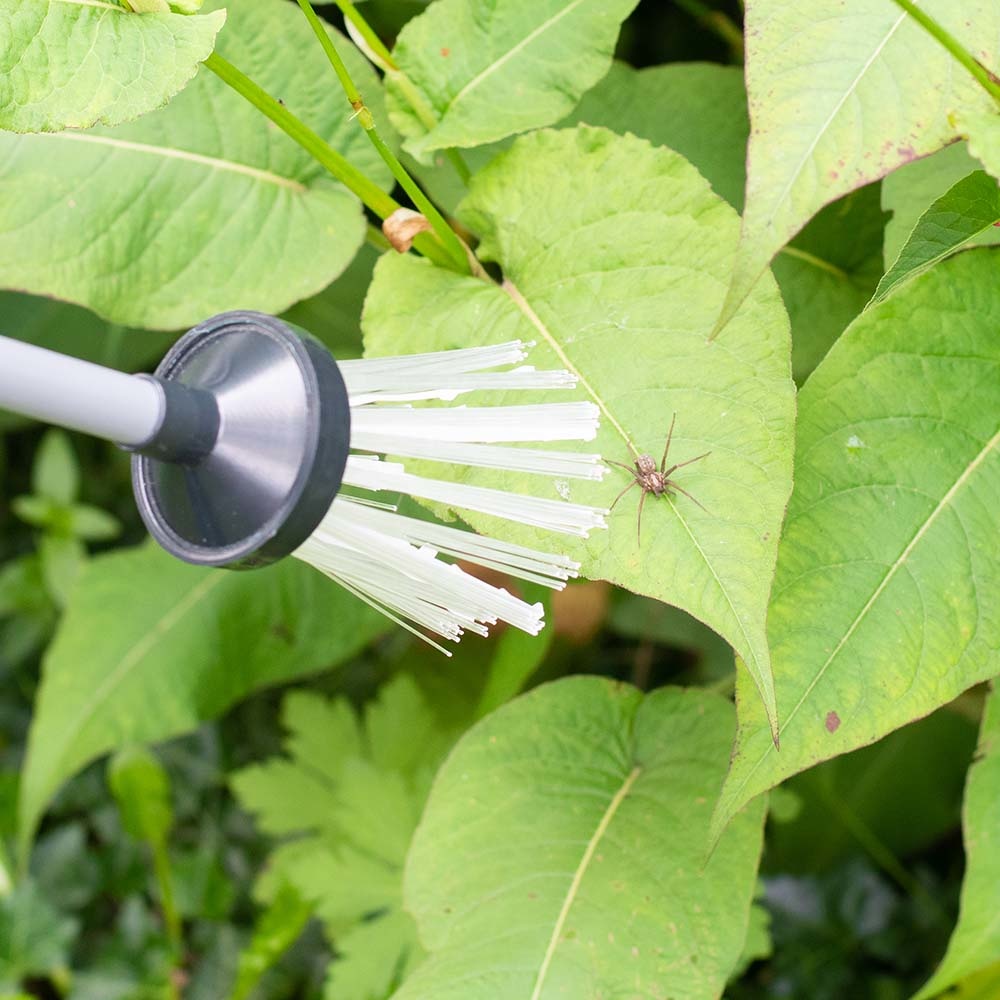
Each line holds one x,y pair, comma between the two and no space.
393,562
489,456
370,554
481,424
370,473
446,374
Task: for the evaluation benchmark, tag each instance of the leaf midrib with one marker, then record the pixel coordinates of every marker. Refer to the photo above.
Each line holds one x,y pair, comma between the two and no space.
821,131
900,561
508,55
168,152
536,321
578,875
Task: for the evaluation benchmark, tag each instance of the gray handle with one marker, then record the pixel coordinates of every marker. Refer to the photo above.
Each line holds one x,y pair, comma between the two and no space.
35,382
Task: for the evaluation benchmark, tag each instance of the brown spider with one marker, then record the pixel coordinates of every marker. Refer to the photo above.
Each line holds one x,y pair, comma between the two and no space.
652,480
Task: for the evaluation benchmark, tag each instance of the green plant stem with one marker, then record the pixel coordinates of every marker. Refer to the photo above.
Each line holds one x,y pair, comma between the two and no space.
445,233
375,43
382,204
413,96
449,239
717,21
171,918
987,80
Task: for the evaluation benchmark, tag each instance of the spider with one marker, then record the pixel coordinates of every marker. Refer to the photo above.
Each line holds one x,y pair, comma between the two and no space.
652,480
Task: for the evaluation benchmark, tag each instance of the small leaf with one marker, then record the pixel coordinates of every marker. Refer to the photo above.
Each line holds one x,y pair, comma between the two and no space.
484,70
631,319
141,788
805,153
975,944
75,64
576,818
968,209
93,524
55,474
909,191
201,206
35,937
275,930
150,646
888,574
62,557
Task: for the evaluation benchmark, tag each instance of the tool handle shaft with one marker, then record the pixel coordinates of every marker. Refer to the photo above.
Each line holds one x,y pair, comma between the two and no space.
58,389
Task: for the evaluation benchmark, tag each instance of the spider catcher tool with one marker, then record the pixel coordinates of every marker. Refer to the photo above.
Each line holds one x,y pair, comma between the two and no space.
246,433
239,440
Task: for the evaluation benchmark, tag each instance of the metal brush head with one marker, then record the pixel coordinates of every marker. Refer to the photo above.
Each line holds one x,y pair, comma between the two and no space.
257,453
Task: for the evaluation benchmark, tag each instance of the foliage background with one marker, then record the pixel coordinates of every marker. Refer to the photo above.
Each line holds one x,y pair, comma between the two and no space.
262,854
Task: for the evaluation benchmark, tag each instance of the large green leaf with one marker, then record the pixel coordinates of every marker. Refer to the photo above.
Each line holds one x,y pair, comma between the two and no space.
616,277
484,69
966,210
150,646
562,851
201,206
886,599
77,63
840,95
975,945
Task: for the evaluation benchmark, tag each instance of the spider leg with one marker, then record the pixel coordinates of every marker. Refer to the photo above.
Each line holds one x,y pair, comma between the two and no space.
666,448
638,520
680,489
621,465
680,465
635,482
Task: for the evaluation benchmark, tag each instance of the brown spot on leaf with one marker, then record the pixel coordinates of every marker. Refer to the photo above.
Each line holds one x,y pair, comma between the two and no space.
832,722
446,52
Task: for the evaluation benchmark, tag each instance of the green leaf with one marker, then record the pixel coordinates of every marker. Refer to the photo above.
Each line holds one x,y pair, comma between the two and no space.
275,930
828,273
55,474
62,558
77,63
975,944
822,126
141,788
616,277
35,937
908,192
968,209
575,819
904,794
353,791
483,70
707,121
201,206
888,575
150,646
92,524
981,127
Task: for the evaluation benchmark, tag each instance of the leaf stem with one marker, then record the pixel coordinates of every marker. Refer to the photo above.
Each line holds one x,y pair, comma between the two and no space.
382,204
171,918
375,43
414,98
717,21
448,237
987,80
